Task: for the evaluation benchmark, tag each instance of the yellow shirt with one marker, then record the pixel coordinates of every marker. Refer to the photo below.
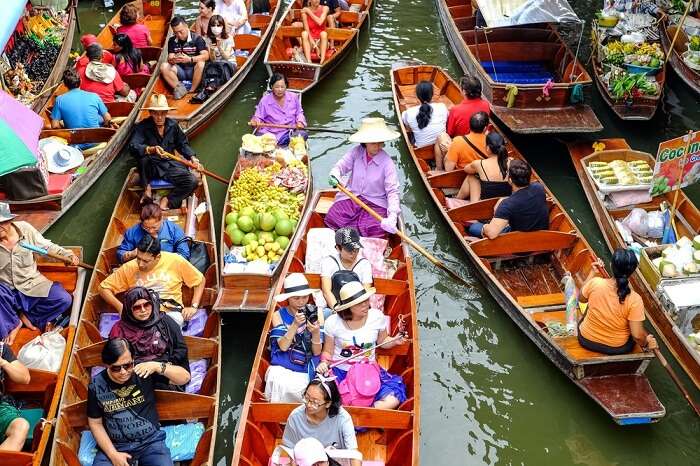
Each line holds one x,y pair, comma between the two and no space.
167,277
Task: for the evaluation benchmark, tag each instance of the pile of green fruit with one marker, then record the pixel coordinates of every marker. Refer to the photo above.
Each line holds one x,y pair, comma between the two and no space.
255,188
660,186
264,235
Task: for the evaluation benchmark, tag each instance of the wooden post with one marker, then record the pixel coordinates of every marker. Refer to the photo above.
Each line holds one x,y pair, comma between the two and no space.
678,30
680,180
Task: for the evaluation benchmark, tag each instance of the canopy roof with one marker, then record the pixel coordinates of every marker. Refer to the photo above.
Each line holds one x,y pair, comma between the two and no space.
19,134
500,13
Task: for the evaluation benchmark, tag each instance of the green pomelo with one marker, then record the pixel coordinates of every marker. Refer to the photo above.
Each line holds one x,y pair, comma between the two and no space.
283,241
245,223
267,222
231,218
248,238
284,227
280,215
247,212
236,237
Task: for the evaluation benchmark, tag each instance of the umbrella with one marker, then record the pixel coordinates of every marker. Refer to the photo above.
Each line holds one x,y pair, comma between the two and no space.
11,13
19,135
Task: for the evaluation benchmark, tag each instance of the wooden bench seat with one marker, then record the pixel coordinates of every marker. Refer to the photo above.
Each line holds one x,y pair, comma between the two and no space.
518,242
551,299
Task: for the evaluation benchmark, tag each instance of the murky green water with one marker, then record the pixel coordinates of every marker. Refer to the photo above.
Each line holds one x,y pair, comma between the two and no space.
489,396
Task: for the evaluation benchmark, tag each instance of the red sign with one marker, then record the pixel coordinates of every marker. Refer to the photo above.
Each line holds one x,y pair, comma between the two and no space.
672,164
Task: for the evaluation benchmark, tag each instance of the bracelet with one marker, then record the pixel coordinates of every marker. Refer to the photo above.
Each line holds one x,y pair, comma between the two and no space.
315,342
162,367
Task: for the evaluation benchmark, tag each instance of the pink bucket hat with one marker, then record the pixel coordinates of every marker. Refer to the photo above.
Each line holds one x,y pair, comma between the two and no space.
309,451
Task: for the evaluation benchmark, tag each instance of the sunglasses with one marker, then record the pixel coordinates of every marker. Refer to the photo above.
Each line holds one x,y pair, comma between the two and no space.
116,368
141,307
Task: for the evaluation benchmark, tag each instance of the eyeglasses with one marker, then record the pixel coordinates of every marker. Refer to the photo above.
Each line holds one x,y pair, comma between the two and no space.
141,307
313,403
117,368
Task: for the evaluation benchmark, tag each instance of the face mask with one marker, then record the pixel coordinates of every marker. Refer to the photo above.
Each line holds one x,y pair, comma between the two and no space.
216,30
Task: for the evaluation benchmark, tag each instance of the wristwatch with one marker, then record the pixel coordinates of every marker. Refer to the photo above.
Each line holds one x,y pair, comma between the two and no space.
162,367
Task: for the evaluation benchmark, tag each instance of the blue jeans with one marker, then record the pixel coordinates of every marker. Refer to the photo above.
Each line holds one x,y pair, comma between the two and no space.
476,229
151,454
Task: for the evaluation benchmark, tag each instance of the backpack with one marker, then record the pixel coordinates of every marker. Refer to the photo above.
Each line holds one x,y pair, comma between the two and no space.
361,384
216,74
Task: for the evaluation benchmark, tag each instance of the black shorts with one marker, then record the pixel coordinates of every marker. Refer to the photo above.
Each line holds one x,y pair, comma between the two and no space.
185,72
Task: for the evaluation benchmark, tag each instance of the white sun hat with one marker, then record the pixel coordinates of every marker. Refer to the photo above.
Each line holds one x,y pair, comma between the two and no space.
373,130
61,157
295,284
352,293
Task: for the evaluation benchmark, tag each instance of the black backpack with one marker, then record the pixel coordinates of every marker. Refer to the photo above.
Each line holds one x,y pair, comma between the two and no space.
216,74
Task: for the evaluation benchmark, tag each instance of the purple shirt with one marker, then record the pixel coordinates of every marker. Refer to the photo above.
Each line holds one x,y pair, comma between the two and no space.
376,180
269,111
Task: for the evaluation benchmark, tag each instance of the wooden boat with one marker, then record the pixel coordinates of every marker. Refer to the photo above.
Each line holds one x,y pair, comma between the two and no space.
392,437
43,93
523,270
645,280
689,75
496,58
635,107
302,76
248,291
42,394
173,407
193,117
63,190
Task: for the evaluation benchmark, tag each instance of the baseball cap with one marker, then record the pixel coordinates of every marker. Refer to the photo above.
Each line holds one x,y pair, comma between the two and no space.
309,451
88,39
348,238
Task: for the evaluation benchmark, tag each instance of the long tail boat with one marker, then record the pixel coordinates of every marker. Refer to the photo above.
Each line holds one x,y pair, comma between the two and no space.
690,74
285,50
23,9
251,291
65,189
645,280
392,436
635,106
173,407
41,396
523,271
530,92
195,117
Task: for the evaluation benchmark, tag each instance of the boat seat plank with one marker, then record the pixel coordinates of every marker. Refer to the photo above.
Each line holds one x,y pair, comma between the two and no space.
475,211
366,417
573,349
340,34
448,179
246,41
137,80
542,278
324,205
259,21
514,281
550,299
80,135
290,31
517,242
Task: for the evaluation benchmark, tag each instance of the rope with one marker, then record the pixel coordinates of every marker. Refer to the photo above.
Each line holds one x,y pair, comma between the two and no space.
578,47
512,92
488,45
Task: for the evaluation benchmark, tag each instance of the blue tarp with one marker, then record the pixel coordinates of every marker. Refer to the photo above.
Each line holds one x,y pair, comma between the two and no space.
11,13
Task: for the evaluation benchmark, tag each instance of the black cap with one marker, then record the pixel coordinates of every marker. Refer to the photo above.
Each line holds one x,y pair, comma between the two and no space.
348,238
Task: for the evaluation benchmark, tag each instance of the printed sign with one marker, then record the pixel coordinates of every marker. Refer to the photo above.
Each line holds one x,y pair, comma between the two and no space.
669,162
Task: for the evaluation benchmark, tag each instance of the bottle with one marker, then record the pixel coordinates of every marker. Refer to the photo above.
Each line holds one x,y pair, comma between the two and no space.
571,300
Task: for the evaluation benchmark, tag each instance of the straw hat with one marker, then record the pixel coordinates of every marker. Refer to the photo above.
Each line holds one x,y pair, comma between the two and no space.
295,284
309,451
373,130
5,214
352,293
60,157
158,103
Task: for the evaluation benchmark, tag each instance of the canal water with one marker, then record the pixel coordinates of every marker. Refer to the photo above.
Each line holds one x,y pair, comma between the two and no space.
488,395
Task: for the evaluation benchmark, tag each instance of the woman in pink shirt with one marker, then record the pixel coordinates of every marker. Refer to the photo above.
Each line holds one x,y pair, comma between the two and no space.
138,33
127,59
372,177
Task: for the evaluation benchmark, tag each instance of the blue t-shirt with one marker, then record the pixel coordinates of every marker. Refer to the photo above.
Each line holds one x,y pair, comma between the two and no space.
170,235
79,109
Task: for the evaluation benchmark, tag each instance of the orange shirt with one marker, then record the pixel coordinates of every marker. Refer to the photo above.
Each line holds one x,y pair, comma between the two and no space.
461,153
607,321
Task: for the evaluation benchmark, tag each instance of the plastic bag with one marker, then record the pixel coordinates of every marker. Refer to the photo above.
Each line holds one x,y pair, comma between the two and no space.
655,224
44,352
637,222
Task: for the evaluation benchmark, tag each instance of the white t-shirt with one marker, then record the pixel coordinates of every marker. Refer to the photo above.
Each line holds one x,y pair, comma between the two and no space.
428,135
331,264
348,342
233,12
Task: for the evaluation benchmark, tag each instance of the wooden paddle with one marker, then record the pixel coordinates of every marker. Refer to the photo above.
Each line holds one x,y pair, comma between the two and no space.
193,166
678,30
403,236
676,380
307,128
45,252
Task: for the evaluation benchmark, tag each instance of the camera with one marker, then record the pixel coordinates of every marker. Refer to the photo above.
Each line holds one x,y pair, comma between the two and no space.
311,313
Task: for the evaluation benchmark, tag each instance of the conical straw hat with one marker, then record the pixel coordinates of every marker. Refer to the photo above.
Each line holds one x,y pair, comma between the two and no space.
373,130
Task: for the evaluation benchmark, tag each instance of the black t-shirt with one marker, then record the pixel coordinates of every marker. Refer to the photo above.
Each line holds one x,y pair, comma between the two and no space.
190,46
128,411
8,356
525,209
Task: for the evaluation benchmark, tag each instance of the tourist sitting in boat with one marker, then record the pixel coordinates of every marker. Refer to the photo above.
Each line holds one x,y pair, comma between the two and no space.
427,120
314,35
157,135
26,296
334,11
346,257
103,79
235,13
187,55
372,177
487,178
471,147
78,108
121,410
613,321
295,342
87,40
357,328
524,210
279,107
127,59
155,337
13,427
459,116
169,234
139,33
164,272
201,22
219,41
321,417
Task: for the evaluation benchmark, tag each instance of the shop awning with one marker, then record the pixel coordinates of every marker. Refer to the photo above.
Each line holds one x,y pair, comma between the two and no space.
500,13
11,13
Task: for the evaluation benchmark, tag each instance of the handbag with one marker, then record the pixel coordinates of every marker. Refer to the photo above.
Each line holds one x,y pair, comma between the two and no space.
199,254
361,384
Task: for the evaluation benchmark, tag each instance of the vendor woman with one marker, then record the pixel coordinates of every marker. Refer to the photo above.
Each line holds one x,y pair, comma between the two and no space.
279,107
372,178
